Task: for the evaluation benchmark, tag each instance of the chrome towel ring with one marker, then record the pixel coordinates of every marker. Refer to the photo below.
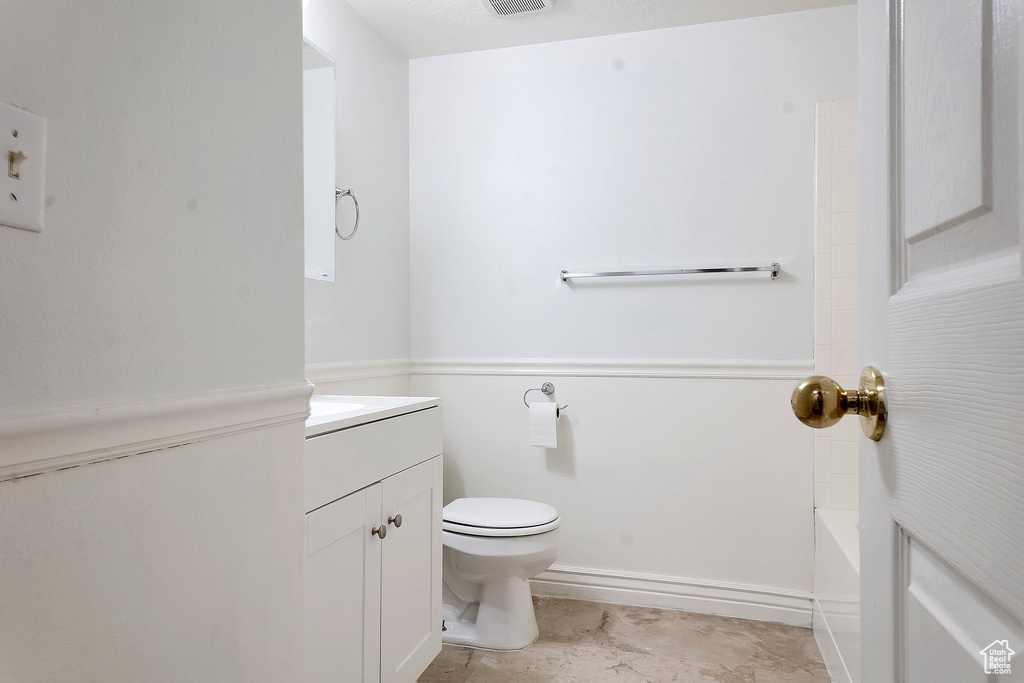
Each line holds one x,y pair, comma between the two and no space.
547,389
338,194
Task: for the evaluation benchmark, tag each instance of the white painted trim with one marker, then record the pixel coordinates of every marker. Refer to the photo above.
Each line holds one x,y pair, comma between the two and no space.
34,443
562,367
693,595
830,653
356,369
616,367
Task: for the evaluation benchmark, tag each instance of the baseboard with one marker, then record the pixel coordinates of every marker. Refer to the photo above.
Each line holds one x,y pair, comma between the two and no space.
34,443
358,369
615,367
692,595
830,653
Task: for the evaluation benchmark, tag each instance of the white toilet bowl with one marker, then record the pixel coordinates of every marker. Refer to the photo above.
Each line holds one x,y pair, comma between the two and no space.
492,548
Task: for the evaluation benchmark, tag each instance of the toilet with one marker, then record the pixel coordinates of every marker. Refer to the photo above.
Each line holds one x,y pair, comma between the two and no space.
492,548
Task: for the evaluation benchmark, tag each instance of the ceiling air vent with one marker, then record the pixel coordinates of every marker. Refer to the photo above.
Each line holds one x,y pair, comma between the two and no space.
511,8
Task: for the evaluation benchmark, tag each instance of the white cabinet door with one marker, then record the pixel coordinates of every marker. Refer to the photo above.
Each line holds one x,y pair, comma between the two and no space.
942,296
343,590
411,578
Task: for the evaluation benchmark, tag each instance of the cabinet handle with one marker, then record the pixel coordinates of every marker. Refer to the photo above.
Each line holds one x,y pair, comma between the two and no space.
381,531
396,520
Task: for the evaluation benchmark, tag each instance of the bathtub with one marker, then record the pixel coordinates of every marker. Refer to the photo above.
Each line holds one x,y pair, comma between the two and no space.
837,592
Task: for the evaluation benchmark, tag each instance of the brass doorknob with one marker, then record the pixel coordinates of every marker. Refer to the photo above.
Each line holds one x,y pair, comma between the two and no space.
380,531
820,402
396,520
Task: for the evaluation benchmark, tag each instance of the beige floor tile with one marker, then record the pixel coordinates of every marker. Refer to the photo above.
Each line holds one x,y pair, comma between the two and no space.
539,663
562,663
790,649
568,621
679,635
657,669
732,643
586,642
779,677
453,665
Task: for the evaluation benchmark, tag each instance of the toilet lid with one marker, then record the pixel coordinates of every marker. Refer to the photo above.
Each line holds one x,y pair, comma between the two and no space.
498,513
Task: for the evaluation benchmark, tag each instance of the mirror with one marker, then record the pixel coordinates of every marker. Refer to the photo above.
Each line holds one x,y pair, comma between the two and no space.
318,150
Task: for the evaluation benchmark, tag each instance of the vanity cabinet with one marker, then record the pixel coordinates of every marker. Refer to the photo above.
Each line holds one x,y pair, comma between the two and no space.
410,584
343,565
373,555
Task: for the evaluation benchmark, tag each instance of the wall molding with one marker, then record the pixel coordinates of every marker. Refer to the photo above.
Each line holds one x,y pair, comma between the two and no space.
38,442
562,367
693,595
356,369
616,367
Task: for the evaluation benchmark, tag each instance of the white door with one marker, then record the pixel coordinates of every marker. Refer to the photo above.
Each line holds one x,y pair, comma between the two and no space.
942,315
411,575
343,590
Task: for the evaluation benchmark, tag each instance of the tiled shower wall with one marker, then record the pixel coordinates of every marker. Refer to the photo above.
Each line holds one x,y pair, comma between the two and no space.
835,295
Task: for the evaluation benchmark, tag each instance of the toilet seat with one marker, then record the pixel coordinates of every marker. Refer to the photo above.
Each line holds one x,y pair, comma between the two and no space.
499,517
466,530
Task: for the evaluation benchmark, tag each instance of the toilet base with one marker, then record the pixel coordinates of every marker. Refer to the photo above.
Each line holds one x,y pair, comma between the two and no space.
503,619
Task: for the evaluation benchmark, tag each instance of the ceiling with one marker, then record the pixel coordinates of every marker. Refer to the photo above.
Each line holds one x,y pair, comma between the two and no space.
422,28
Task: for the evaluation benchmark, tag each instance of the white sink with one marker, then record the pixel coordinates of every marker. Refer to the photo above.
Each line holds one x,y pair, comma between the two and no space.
321,408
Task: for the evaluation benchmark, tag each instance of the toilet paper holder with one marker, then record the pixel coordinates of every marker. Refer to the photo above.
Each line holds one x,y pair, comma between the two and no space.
547,389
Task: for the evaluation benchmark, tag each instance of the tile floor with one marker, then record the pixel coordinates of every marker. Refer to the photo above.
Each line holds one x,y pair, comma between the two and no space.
589,642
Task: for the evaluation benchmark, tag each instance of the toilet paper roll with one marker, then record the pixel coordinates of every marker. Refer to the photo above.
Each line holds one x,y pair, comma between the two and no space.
544,424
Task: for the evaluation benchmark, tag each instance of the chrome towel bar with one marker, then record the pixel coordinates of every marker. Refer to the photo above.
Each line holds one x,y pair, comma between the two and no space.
775,269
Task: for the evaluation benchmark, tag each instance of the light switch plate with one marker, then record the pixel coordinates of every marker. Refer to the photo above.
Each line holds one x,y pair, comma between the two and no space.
21,199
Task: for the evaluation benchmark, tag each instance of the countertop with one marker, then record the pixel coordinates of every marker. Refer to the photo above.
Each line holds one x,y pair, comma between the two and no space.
329,413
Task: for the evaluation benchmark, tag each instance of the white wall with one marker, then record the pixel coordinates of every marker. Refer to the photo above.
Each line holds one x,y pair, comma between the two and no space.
170,266
683,481
388,377
167,264
650,477
674,147
364,313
